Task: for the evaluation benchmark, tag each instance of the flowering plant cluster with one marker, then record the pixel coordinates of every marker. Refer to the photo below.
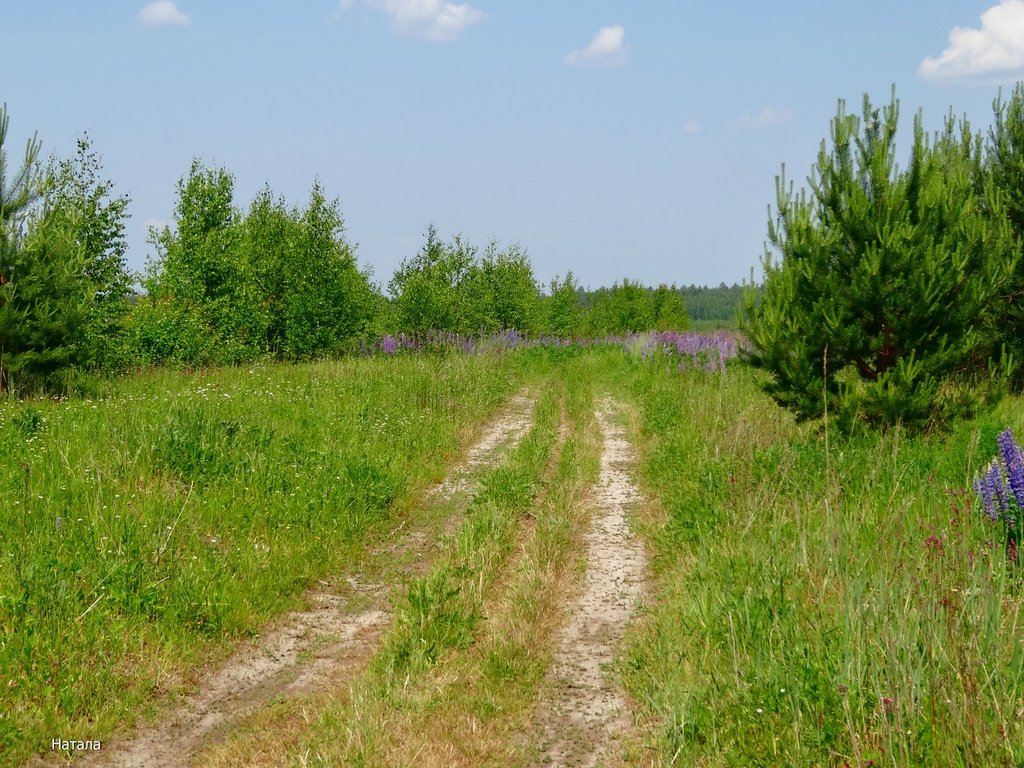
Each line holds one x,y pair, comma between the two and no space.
1001,490
709,351
448,341
700,351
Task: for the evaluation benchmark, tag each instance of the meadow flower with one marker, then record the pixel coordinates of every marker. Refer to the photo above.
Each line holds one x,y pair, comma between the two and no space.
1002,481
991,489
1013,459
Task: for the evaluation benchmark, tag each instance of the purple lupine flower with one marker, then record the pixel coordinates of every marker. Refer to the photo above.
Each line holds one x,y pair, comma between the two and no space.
1013,460
389,344
989,488
997,488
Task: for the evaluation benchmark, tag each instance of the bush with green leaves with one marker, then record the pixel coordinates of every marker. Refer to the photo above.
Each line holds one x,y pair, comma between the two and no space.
429,290
198,273
236,286
669,309
883,303
626,307
78,200
447,288
563,312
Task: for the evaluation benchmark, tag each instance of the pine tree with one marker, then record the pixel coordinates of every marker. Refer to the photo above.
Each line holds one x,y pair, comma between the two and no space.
43,302
17,192
1005,167
886,281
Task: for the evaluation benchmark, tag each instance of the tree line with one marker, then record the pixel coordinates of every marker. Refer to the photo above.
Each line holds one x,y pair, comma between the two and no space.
228,284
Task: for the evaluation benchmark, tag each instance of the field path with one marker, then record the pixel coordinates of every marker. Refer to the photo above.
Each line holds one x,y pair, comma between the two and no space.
582,708
327,643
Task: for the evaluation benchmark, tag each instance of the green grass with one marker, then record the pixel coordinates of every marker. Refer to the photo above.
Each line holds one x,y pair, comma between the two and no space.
821,603
817,602
143,533
457,677
441,613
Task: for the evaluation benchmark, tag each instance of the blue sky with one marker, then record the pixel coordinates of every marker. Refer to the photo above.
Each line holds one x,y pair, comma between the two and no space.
614,139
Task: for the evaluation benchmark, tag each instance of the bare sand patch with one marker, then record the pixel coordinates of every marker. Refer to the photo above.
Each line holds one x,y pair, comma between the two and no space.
583,708
504,432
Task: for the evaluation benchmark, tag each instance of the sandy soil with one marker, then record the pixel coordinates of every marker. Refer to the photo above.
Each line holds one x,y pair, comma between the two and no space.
311,648
506,431
582,708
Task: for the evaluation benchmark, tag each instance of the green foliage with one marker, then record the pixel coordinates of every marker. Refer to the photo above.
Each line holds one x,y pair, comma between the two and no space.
1005,167
44,305
161,329
624,308
564,314
328,300
446,288
47,280
426,288
19,187
1006,154
511,293
888,277
717,305
78,200
669,309
227,287
197,269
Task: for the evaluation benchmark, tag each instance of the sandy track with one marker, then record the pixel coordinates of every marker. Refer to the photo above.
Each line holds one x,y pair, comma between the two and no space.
507,430
309,648
583,708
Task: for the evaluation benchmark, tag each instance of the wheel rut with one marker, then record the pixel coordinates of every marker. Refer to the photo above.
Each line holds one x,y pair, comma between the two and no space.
322,645
582,708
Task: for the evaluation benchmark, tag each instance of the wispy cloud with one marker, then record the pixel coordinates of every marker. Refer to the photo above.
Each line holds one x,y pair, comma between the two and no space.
998,47
691,127
433,20
164,13
765,117
606,49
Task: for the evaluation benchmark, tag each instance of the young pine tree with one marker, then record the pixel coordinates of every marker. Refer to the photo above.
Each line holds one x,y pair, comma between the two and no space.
887,277
43,297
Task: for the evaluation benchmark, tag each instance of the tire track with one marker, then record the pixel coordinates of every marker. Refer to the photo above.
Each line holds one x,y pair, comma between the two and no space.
314,647
583,708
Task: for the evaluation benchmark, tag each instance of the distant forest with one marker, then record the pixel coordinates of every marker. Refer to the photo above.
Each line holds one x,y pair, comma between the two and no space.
706,305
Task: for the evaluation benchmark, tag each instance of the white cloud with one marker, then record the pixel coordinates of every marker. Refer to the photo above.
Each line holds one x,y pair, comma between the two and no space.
164,13
997,47
766,117
691,127
433,20
607,48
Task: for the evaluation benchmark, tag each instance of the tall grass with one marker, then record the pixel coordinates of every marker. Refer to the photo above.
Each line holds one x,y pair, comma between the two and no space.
821,604
142,532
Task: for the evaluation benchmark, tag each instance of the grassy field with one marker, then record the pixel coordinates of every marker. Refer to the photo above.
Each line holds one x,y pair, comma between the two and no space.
815,600
145,530
821,602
